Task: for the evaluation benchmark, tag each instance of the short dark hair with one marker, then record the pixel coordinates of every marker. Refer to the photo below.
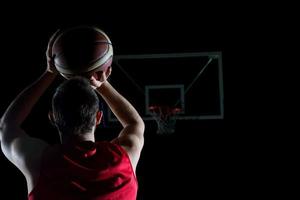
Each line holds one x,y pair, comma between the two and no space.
75,105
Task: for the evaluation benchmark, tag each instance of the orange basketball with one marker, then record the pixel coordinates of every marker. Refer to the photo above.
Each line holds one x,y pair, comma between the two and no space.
82,51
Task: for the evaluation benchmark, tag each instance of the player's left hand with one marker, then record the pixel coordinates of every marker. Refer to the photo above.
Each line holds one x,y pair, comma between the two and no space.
100,77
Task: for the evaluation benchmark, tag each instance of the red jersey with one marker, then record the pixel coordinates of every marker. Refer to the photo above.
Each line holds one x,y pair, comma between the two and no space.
87,171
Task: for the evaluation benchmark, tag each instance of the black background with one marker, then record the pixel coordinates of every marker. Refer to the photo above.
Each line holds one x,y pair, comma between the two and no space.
201,160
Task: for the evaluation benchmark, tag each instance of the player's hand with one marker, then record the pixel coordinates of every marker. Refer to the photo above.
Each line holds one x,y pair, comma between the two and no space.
99,78
50,57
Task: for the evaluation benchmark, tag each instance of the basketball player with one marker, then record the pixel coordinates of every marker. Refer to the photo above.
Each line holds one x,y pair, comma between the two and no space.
79,167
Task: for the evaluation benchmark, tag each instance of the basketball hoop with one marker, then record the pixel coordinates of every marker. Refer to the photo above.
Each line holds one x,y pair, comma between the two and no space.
165,117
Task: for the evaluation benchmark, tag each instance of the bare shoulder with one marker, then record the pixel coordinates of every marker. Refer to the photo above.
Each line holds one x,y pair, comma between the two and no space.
24,152
132,143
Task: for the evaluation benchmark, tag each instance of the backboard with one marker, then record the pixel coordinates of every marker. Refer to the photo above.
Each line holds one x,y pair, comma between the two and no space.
192,82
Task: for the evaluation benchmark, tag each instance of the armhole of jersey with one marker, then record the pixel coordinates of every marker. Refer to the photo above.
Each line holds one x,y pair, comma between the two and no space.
116,142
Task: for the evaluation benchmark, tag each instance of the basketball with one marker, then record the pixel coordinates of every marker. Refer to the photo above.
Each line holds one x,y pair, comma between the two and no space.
82,51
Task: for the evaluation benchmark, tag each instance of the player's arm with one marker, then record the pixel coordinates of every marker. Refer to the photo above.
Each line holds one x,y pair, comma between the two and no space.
132,135
16,145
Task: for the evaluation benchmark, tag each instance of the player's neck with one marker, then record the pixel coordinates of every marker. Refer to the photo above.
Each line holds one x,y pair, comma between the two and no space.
79,138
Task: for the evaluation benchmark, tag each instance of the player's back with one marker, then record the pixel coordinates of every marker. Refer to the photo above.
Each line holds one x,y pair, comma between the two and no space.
87,170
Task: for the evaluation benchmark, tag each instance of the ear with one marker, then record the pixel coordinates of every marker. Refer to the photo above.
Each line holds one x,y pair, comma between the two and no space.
51,118
99,117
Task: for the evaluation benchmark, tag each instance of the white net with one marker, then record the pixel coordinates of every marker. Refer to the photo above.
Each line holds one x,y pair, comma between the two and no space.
165,118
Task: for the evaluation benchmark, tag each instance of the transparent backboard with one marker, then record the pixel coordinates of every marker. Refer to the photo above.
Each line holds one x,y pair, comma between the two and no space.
192,82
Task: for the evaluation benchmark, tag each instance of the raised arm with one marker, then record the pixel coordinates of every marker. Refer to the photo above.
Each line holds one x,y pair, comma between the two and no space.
22,105
132,135
21,149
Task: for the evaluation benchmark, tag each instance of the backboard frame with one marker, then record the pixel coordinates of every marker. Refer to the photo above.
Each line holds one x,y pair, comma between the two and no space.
210,55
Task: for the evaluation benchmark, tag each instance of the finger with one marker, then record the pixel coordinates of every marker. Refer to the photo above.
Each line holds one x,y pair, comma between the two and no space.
50,43
93,81
99,74
108,71
103,76
53,37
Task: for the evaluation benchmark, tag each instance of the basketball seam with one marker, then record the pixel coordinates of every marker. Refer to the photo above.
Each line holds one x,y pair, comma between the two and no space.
106,51
92,64
91,67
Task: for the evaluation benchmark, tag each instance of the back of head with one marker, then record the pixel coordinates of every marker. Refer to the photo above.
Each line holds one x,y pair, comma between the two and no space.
75,105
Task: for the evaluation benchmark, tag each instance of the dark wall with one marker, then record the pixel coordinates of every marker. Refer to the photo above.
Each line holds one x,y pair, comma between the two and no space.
200,159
